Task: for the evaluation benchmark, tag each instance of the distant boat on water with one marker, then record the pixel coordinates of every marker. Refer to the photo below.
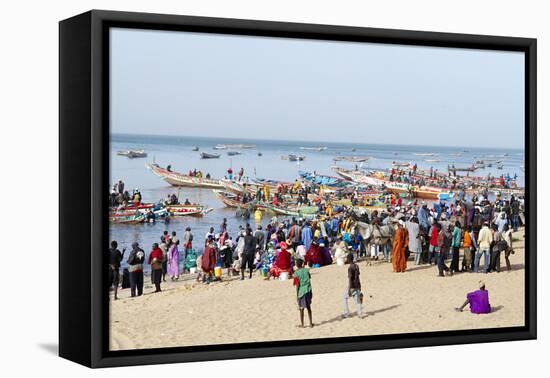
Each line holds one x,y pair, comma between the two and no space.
293,157
234,146
132,154
353,159
425,154
233,153
195,148
318,148
206,155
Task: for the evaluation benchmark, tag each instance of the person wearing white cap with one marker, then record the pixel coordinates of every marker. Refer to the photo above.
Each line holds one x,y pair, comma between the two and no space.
478,301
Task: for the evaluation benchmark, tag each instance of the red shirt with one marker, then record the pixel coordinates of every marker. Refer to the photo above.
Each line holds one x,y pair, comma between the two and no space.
155,254
283,260
434,237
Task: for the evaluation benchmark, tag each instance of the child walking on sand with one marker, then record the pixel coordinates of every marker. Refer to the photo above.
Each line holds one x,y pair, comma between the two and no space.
353,288
302,281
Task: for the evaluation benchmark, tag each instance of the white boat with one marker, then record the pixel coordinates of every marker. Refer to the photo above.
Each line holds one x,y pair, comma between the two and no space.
353,159
132,154
206,155
234,146
179,179
318,148
293,157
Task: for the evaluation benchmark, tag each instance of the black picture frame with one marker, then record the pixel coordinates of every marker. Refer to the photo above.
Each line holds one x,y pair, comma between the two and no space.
84,163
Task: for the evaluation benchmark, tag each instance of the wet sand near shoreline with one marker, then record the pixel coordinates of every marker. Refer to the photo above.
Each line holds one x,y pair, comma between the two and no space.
188,313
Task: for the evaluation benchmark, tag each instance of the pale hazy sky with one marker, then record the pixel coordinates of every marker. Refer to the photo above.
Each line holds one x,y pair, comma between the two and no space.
179,83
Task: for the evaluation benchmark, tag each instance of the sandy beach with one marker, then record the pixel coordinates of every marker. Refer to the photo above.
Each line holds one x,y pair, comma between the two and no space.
231,311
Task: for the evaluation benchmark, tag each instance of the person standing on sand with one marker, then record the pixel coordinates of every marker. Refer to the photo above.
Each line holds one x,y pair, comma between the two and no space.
433,249
208,261
353,289
164,246
187,239
307,236
400,244
174,261
509,250
415,243
443,243
135,261
456,241
155,260
304,294
468,250
249,251
484,240
115,257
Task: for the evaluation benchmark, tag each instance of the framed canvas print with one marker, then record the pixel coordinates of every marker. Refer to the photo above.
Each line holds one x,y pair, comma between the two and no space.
252,188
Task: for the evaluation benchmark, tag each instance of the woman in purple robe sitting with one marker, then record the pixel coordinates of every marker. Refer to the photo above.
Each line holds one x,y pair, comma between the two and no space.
174,261
478,300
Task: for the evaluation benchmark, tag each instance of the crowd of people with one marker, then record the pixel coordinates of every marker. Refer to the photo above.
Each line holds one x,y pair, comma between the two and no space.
287,248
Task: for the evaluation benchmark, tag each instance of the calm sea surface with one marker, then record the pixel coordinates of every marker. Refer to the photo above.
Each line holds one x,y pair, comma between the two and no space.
176,151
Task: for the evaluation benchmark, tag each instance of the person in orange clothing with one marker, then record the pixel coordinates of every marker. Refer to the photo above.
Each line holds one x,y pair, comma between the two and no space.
400,243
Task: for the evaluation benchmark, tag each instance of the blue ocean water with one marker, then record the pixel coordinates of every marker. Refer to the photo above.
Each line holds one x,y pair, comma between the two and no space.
177,151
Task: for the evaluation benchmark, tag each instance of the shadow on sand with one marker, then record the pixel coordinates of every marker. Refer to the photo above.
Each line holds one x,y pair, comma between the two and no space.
369,313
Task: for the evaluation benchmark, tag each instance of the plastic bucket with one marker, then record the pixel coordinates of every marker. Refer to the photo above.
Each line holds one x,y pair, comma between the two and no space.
192,270
283,276
316,266
263,272
218,272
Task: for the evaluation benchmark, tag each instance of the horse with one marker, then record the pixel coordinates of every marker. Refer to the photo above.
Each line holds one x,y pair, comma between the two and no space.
375,235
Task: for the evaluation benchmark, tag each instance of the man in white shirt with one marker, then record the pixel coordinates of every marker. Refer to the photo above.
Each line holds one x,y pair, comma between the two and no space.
484,240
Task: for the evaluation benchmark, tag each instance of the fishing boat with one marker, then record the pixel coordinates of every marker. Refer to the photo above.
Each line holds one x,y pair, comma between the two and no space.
195,148
378,179
318,148
401,164
159,211
260,154
322,179
461,169
233,153
179,179
346,174
425,154
234,146
186,210
133,154
302,211
206,155
134,218
353,159
238,187
293,157
431,160
229,199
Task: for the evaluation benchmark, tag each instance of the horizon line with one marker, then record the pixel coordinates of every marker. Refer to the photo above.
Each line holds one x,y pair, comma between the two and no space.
317,142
